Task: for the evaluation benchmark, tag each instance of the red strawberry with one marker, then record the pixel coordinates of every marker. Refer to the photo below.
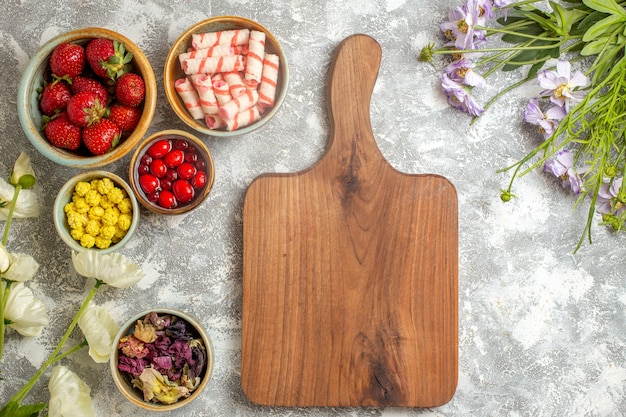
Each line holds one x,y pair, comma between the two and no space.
84,108
67,60
54,97
62,133
81,83
126,118
130,89
108,58
101,136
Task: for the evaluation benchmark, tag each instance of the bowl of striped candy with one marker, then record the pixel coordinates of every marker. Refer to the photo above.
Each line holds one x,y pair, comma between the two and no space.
226,76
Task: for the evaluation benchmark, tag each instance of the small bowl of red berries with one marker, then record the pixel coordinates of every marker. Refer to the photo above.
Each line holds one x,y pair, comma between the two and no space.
171,172
87,97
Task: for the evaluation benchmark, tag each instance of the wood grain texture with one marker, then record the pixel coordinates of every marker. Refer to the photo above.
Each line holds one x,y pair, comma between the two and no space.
350,269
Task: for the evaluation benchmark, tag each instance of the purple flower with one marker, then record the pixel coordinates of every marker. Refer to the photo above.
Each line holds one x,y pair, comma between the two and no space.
502,3
560,85
562,166
460,27
547,121
608,198
461,71
459,97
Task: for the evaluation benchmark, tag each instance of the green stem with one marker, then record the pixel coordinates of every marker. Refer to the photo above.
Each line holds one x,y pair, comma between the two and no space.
4,295
16,193
55,356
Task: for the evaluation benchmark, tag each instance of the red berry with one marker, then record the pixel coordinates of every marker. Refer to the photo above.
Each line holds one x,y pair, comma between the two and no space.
146,159
191,156
127,118
166,185
174,158
199,180
62,133
158,168
149,183
201,165
159,148
181,144
154,197
167,200
54,97
67,60
143,169
85,108
183,191
81,83
171,175
101,136
186,171
107,58
130,89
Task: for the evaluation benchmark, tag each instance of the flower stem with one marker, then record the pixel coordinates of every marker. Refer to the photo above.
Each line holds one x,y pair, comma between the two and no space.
4,295
55,355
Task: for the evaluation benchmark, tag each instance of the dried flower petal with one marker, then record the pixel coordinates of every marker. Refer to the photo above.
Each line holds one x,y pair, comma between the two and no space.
157,387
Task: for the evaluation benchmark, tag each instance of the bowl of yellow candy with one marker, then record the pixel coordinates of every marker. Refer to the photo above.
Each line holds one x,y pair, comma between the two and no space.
96,210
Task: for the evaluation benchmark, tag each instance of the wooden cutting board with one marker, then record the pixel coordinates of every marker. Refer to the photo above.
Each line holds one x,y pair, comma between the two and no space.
350,269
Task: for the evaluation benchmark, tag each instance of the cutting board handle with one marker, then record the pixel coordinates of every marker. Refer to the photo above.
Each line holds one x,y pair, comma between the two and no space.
351,83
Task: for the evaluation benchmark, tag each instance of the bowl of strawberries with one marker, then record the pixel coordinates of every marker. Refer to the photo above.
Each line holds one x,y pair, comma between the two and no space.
87,97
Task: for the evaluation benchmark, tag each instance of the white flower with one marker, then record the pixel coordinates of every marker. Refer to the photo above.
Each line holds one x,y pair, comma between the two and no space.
113,269
23,173
23,267
69,395
5,259
99,329
26,205
24,313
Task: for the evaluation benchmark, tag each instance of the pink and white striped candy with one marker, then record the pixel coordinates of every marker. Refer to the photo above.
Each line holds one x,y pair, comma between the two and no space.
232,37
190,97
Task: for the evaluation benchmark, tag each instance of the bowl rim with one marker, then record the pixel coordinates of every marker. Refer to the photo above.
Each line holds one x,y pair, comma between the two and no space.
30,81
172,59
59,217
117,378
133,177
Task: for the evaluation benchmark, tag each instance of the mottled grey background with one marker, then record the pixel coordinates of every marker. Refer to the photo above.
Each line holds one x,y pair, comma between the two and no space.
541,330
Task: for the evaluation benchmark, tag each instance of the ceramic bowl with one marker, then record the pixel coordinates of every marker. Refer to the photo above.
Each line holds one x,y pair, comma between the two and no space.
123,379
63,219
173,71
31,117
145,162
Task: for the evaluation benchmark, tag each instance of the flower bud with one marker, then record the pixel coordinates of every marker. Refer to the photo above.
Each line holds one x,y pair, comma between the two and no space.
23,173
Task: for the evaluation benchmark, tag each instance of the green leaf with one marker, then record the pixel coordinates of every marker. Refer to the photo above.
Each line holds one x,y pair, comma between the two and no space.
594,47
566,18
12,409
591,19
603,27
534,69
606,6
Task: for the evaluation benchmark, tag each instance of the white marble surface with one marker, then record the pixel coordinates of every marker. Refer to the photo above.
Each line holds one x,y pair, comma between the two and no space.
541,330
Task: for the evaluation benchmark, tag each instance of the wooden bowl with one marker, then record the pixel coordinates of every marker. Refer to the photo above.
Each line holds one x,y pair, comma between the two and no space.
123,380
149,201
31,117
173,71
65,196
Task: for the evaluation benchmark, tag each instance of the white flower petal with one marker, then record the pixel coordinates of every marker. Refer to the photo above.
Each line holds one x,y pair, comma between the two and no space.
99,329
23,267
563,68
113,269
26,313
5,259
23,172
27,204
69,395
